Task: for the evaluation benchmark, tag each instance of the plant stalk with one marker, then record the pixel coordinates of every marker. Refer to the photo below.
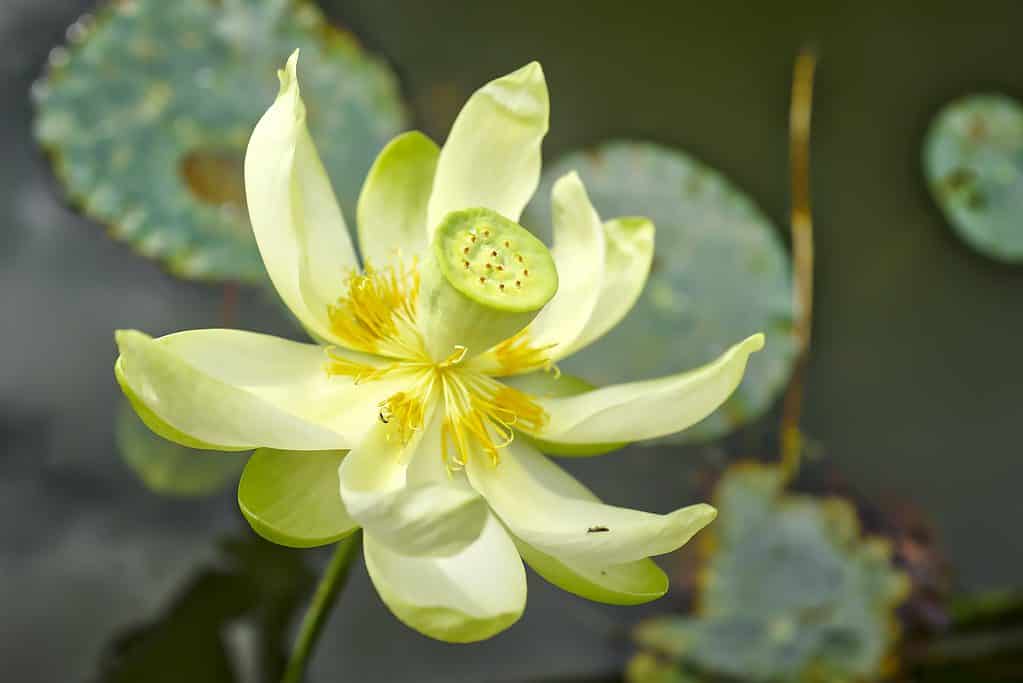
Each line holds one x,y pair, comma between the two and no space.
802,255
330,586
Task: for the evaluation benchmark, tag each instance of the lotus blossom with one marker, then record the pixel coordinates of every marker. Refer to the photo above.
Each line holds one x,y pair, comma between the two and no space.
421,411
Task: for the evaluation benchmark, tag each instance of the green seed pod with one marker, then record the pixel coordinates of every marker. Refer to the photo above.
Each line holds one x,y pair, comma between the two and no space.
485,278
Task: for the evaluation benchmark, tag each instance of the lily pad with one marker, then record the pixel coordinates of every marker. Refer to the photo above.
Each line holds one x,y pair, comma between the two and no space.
720,273
169,469
792,591
147,112
973,161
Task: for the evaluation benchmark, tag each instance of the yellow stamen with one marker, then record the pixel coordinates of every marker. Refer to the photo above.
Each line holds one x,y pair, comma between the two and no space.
377,313
407,409
480,416
455,358
518,354
362,372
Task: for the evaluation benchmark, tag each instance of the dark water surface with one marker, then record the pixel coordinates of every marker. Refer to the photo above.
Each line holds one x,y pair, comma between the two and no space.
914,385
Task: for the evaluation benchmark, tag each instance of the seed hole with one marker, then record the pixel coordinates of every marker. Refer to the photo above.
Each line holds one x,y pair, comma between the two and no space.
520,259
501,286
489,266
465,250
465,263
526,272
493,253
472,238
500,267
507,244
482,279
518,283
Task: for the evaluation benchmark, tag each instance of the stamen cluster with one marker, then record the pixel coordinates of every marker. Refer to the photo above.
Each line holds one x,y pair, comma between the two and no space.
378,314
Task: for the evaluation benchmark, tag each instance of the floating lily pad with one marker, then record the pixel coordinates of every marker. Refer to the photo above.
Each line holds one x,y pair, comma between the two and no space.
973,160
792,591
169,469
720,273
148,110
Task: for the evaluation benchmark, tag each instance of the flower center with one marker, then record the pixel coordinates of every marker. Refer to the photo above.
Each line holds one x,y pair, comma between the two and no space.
480,413
377,314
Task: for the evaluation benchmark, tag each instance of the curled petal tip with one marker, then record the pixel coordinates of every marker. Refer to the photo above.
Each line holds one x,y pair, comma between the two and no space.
570,177
708,512
530,73
755,342
288,76
122,337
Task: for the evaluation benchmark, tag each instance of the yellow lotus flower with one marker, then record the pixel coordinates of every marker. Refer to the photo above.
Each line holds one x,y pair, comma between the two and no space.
431,386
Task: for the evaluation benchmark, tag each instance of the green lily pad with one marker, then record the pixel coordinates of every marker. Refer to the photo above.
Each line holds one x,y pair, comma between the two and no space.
168,468
147,112
720,273
792,591
973,161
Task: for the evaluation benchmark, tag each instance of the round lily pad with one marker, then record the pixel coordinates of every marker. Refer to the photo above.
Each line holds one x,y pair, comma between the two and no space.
720,273
973,161
147,112
168,468
791,592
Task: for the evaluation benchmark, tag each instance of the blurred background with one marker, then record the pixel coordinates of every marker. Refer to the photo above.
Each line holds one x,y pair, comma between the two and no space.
898,551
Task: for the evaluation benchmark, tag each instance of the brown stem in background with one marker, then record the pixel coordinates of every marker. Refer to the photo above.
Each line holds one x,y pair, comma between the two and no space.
802,253
229,304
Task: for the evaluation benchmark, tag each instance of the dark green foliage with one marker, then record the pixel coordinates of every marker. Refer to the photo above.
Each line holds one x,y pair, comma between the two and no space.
256,581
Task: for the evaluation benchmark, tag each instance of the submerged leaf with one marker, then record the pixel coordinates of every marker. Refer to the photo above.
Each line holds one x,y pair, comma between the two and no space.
973,160
146,115
720,273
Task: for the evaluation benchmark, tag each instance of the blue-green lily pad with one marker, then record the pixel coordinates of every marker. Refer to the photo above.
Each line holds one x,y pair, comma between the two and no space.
792,591
147,112
168,468
973,161
720,273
